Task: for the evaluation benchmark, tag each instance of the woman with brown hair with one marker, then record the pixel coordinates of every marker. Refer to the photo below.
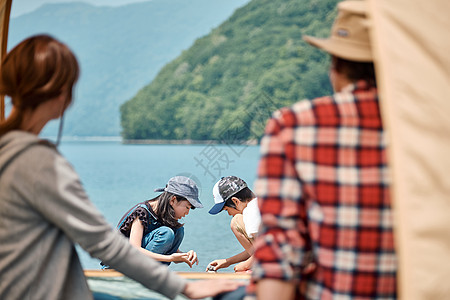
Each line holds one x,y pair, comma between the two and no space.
44,210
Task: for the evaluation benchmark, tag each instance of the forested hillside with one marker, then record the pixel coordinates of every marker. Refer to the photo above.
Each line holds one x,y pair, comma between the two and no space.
232,79
120,49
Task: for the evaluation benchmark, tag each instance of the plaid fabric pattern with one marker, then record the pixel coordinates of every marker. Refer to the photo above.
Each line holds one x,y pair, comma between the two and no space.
323,192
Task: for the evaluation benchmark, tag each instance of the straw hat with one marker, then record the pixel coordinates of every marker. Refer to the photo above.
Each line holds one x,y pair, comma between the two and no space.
349,35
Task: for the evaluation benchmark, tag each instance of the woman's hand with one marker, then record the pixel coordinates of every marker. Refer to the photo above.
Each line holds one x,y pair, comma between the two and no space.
218,264
209,288
189,257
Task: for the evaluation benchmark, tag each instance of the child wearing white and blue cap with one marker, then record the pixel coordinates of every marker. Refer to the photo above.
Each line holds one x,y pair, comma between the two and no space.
153,225
232,194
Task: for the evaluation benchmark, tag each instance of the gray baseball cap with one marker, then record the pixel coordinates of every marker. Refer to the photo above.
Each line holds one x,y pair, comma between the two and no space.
184,187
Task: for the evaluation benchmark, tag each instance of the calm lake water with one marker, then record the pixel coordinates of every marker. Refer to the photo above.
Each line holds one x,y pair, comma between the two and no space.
117,176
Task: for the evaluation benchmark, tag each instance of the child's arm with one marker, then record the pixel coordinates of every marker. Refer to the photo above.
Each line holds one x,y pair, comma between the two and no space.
244,265
191,256
238,227
225,263
136,234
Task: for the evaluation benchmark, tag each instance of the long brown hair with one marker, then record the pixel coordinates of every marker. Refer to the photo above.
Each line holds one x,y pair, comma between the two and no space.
165,212
38,69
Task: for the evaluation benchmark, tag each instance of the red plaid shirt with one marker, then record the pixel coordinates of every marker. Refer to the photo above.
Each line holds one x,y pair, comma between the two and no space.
323,192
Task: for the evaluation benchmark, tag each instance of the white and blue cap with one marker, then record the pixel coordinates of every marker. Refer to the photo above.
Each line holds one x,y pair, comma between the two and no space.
224,189
184,187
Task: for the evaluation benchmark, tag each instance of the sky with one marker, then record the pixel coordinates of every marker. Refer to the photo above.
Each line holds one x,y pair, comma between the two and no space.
20,7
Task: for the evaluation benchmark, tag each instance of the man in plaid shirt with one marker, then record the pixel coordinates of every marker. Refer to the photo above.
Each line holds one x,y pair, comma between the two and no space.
323,184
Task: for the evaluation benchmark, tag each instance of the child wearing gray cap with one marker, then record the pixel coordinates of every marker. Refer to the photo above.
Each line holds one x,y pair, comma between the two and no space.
232,194
153,225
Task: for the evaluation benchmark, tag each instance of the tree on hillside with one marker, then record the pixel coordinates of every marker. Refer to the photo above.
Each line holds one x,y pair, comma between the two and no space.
236,76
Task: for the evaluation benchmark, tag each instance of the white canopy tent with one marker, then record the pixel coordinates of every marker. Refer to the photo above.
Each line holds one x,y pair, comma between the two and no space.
412,44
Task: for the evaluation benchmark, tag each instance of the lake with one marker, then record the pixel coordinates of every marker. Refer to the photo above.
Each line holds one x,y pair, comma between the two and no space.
118,176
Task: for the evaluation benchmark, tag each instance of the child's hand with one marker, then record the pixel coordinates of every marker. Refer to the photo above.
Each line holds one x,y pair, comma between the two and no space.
190,258
242,266
218,264
179,258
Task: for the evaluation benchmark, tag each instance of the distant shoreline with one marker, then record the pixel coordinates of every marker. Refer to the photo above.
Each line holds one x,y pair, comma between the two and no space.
186,142
150,141
85,138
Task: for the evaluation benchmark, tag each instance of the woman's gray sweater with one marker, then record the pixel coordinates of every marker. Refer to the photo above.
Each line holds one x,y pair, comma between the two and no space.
44,211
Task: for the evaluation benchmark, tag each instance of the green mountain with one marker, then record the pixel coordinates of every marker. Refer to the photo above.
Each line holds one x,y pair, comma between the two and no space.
120,49
228,83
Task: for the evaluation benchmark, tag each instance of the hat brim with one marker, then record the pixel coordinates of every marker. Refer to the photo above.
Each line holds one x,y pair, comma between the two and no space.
195,202
217,208
345,50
